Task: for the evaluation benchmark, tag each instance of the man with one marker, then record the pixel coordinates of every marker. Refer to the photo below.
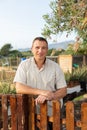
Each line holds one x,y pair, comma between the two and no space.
40,76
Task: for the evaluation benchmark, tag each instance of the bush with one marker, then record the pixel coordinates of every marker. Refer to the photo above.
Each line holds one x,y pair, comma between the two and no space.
7,88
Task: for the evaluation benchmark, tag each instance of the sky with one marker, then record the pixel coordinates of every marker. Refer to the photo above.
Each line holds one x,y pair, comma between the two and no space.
21,21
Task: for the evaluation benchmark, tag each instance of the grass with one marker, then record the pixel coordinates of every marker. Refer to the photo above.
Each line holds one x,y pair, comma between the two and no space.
6,82
7,88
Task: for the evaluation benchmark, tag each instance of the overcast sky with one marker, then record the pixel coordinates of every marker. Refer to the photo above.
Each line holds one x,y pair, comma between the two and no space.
21,21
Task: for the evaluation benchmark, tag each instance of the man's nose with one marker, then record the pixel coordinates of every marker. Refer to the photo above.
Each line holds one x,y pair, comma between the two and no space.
40,49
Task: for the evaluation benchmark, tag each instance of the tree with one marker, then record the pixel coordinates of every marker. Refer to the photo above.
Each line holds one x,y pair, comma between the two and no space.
5,50
66,15
15,53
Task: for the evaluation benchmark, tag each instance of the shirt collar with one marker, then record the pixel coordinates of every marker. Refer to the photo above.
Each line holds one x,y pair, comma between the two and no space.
32,59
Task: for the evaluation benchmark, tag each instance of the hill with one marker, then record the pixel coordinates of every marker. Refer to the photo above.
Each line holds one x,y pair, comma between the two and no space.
60,45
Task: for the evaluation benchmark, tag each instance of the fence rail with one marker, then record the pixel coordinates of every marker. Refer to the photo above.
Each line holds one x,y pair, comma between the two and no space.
17,112
78,59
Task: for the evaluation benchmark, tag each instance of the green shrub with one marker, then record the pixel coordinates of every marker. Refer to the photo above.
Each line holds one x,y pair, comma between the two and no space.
6,88
79,74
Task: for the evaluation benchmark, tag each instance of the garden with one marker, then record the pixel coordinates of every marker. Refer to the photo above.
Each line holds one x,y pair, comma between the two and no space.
66,16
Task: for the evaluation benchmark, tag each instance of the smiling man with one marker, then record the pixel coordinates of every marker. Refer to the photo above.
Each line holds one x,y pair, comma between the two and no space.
40,76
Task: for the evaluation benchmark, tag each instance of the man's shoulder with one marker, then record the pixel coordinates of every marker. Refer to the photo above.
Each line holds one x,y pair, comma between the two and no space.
51,62
26,62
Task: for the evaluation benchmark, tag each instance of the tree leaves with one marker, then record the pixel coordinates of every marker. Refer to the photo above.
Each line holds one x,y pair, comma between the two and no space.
66,15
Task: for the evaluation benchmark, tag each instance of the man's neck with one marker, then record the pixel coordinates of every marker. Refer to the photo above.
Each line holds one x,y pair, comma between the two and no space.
40,63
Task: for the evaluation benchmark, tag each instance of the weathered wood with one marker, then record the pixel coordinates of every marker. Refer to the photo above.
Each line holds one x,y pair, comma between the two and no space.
84,116
13,103
56,115
30,111
26,111
70,124
32,114
5,112
43,116
24,117
20,112
78,123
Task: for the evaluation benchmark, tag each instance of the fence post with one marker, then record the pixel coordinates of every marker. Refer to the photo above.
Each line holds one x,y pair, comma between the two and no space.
32,122
13,106
84,116
20,112
56,115
70,124
43,116
5,112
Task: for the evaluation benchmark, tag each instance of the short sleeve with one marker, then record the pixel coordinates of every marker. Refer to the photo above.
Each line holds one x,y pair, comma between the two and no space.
60,78
20,75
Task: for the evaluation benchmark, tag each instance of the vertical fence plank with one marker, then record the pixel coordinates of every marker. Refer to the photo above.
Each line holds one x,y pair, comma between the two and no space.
26,111
13,106
43,116
32,113
23,114
20,112
5,112
84,116
70,124
0,112
56,115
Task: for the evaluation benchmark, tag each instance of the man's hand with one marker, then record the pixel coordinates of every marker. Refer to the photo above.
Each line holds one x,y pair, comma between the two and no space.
40,99
49,95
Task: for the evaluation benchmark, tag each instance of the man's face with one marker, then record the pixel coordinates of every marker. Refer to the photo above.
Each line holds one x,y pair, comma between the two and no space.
39,49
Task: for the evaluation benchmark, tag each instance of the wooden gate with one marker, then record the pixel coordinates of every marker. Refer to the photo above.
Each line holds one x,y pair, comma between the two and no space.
17,112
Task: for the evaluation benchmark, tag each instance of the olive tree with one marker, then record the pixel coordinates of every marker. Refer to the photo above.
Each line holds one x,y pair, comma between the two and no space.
66,15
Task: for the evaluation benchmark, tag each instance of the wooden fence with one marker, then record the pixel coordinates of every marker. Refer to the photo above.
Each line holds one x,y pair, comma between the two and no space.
18,113
77,59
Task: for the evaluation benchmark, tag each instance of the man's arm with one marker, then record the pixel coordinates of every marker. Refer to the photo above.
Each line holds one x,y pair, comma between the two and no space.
60,93
24,89
57,95
42,94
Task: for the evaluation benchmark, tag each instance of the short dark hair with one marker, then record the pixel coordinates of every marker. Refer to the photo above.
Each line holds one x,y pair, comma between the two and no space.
40,39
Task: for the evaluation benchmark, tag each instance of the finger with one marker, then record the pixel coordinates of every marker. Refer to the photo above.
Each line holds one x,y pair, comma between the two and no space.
40,99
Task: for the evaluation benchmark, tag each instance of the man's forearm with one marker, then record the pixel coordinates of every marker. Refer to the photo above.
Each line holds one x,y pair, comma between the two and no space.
60,94
24,89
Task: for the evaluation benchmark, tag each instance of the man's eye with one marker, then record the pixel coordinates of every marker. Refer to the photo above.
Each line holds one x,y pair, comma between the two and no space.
44,48
37,47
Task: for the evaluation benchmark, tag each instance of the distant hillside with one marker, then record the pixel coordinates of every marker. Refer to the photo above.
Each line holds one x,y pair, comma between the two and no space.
60,45
24,49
